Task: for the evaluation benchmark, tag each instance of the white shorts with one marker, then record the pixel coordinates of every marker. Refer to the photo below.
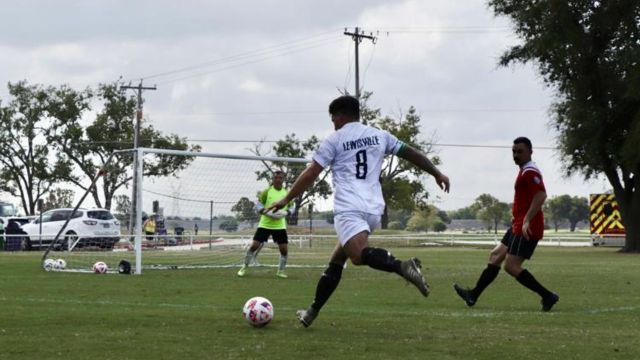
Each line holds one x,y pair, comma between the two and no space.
349,224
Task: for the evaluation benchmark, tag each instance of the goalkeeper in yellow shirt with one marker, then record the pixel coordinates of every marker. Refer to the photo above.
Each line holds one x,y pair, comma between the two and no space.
272,223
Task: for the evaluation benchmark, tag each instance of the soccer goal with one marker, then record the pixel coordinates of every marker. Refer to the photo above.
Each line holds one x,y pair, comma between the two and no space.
201,216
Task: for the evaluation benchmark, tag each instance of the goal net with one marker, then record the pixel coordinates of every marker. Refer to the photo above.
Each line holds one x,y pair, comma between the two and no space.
201,216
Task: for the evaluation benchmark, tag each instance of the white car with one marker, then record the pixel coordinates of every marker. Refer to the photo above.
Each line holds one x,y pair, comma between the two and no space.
87,228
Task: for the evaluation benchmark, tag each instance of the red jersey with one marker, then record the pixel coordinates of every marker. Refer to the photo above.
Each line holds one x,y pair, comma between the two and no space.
528,183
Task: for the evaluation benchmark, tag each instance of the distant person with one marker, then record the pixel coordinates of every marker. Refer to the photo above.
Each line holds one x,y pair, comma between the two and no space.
195,229
149,227
355,153
520,241
272,224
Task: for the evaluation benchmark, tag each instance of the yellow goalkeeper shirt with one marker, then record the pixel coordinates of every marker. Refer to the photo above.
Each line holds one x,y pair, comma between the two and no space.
268,197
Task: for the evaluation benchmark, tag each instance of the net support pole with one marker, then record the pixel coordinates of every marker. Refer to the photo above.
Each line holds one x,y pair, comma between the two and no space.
210,218
138,222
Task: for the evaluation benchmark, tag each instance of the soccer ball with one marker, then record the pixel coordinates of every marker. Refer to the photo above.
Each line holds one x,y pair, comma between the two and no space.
60,264
48,265
258,311
100,267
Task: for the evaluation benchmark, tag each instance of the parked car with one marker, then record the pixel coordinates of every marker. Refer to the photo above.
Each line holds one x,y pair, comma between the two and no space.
94,228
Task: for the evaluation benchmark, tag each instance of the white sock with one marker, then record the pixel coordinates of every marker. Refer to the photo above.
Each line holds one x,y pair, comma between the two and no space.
283,263
247,258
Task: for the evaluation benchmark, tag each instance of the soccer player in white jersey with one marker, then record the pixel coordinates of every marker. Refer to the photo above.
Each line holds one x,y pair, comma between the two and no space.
355,153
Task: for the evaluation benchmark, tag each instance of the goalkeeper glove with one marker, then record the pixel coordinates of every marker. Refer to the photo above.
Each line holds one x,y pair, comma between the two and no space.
276,214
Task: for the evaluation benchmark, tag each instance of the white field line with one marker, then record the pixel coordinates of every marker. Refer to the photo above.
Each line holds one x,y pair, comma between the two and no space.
469,313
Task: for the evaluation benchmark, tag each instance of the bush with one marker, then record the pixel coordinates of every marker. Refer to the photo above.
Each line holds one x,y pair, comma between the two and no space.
229,225
395,225
439,226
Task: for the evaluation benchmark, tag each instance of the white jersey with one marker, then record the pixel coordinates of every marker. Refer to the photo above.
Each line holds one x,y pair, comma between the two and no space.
355,153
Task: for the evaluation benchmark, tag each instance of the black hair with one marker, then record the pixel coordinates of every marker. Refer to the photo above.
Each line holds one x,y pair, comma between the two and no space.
345,105
523,140
276,172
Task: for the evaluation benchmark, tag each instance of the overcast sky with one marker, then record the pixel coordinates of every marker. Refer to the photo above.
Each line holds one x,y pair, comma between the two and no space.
251,70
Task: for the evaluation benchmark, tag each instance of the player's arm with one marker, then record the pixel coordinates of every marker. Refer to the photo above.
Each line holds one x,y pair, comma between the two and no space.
262,199
302,183
536,205
420,160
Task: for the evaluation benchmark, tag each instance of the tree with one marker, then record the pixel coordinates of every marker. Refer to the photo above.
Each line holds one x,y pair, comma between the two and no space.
402,185
58,198
425,219
588,52
229,224
29,167
444,217
468,212
556,209
419,220
123,209
292,147
88,148
579,211
400,217
245,211
492,211
564,207
439,226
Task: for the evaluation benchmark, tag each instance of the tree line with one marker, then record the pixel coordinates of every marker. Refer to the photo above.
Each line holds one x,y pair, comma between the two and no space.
52,136
585,51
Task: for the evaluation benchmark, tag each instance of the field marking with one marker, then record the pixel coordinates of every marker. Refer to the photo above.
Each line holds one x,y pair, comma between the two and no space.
468,313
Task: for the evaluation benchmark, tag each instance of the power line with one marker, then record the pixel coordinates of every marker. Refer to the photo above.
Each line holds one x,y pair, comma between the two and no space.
240,55
432,144
297,112
478,146
294,50
446,30
245,58
364,75
303,40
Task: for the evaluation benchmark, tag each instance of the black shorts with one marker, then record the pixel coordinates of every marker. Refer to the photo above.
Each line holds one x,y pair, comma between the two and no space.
279,236
518,245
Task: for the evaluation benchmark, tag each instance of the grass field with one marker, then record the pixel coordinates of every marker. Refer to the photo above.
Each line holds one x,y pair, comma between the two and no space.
196,314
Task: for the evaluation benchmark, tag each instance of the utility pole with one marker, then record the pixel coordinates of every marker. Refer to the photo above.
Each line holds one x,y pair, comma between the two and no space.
357,35
136,144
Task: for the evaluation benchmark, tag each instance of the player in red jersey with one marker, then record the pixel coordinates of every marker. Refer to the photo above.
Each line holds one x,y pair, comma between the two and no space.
520,241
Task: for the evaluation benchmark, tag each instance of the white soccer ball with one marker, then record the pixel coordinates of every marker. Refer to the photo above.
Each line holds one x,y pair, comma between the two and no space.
100,267
49,265
258,311
60,264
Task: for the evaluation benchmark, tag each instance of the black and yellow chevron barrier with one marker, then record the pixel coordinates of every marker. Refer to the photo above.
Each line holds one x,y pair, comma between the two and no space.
604,215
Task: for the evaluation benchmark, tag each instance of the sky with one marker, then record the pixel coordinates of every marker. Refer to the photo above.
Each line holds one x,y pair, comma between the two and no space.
244,71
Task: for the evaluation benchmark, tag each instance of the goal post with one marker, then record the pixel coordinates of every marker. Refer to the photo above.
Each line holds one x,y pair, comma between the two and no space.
203,215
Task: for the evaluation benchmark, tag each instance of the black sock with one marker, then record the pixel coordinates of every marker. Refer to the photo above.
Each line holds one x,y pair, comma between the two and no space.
526,278
488,275
326,285
380,259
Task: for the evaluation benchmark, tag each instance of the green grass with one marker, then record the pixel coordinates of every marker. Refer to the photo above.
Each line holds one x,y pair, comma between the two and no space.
196,314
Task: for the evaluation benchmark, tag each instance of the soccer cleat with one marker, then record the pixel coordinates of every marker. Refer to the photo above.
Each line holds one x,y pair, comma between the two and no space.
548,303
281,274
412,273
306,317
242,271
465,294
